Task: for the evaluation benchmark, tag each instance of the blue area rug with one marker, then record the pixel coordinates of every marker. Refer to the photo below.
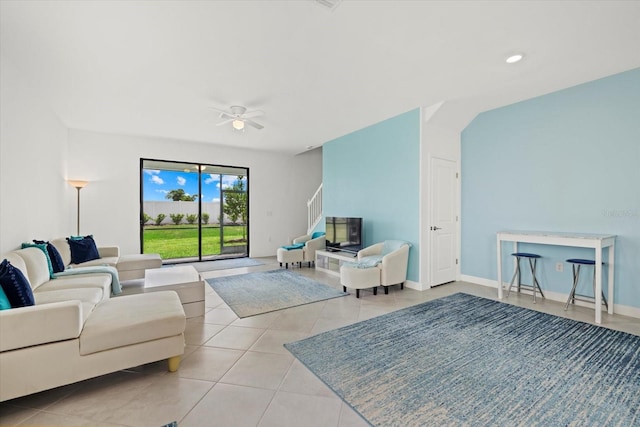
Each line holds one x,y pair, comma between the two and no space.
469,361
257,293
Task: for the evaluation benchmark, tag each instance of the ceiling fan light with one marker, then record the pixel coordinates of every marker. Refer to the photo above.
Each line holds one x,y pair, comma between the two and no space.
516,57
238,124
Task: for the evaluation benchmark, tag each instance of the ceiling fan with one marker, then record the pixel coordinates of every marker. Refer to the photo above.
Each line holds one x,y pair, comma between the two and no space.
238,116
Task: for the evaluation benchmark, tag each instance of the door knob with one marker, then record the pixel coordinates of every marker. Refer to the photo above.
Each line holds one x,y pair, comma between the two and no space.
434,228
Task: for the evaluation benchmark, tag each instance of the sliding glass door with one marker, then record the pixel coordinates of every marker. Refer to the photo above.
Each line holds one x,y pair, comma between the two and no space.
193,211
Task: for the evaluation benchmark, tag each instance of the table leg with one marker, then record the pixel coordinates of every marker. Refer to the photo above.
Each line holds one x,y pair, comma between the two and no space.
598,295
499,268
611,276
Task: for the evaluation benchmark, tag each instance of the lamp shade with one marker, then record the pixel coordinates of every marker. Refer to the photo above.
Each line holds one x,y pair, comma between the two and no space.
77,183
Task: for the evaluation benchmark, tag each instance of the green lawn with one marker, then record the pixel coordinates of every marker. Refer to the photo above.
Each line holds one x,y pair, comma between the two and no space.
181,241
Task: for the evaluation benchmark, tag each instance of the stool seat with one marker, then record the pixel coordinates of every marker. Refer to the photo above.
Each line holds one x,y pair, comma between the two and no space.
581,261
526,255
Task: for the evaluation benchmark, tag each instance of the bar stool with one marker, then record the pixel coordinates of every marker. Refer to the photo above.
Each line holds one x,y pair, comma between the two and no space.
533,260
576,263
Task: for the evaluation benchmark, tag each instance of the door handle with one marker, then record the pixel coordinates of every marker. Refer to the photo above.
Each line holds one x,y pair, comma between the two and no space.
434,228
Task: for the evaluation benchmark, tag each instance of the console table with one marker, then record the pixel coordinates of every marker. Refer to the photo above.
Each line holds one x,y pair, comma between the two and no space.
582,240
330,262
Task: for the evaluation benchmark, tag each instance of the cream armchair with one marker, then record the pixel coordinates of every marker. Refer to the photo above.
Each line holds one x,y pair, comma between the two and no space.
393,266
312,243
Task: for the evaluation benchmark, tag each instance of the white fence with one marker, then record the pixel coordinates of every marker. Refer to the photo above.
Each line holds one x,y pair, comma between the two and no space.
186,208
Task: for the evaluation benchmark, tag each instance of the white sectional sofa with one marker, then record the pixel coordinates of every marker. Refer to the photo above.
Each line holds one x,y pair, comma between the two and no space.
76,330
129,266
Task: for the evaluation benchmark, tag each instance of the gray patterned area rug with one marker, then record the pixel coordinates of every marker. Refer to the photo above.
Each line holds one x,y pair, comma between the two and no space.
263,292
469,361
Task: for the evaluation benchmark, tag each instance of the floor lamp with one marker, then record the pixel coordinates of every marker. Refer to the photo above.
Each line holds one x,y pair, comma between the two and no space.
78,185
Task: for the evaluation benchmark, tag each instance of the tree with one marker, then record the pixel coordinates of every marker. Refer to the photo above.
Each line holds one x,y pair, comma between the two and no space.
235,204
191,218
179,195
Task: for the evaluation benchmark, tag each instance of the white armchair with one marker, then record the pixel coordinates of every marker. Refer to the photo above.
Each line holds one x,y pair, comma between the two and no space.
395,258
312,243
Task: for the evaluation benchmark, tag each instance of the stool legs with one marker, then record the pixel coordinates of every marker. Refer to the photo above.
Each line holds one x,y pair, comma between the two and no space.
532,265
576,278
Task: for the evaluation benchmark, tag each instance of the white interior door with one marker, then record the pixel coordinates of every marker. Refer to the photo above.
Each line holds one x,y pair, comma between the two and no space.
443,228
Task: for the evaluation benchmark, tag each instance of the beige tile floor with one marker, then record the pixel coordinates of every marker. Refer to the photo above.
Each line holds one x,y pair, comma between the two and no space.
235,372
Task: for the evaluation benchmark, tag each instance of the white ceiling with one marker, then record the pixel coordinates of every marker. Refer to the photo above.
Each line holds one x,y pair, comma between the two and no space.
155,68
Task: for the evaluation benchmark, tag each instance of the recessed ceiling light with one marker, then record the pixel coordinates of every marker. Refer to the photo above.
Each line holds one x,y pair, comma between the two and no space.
512,59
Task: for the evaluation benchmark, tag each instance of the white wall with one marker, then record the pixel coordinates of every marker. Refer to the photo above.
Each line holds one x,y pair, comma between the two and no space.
280,185
35,199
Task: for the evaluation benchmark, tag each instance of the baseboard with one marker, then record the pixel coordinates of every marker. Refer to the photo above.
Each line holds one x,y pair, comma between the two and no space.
414,285
623,310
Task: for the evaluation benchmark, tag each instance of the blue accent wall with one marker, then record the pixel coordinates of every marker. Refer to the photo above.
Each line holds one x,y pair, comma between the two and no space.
567,161
374,173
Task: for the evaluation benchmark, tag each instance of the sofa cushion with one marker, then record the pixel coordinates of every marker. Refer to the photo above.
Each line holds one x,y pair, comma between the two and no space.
132,319
139,262
112,261
83,249
36,269
81,281
15,285
54,256
43,248
63,249
89,298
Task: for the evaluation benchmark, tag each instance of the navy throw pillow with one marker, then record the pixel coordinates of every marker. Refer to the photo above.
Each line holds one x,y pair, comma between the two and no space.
54,256
15,286
83,250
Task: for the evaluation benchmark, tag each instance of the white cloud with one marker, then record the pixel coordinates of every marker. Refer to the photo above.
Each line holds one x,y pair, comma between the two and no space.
162,191
156,179
181,180
211,178
152,172
215,199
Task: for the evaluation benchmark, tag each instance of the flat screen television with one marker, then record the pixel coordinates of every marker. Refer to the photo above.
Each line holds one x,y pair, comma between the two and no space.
343,234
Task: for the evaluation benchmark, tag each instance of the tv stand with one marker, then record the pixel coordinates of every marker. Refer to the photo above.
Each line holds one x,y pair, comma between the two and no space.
331,261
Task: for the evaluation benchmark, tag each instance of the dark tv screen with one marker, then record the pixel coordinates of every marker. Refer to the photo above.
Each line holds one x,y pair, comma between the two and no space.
343,234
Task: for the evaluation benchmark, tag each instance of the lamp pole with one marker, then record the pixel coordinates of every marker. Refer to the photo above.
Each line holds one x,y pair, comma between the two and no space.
78,185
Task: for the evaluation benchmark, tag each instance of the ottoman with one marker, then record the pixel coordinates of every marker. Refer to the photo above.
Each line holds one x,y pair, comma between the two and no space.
289,256
359,278
132,266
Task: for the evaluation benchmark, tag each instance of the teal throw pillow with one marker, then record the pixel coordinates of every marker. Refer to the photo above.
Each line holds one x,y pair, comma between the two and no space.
15,286
43,248
4,301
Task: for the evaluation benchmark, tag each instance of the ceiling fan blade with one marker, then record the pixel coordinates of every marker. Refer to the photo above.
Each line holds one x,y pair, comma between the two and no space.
252,123
252,114
224,122
227,116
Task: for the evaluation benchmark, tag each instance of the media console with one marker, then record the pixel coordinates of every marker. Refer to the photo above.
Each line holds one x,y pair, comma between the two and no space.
330,261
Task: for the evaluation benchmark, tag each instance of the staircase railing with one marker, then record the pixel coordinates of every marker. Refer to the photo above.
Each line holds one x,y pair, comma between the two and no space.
314,210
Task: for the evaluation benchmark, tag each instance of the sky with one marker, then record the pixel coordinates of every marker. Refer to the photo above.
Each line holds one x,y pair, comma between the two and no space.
157,183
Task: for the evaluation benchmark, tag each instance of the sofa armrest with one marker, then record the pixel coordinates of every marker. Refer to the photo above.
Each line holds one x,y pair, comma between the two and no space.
109,251
40,324
302,239
370,250
394,266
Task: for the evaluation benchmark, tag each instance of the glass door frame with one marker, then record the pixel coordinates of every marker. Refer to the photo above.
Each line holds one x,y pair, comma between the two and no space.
220,170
